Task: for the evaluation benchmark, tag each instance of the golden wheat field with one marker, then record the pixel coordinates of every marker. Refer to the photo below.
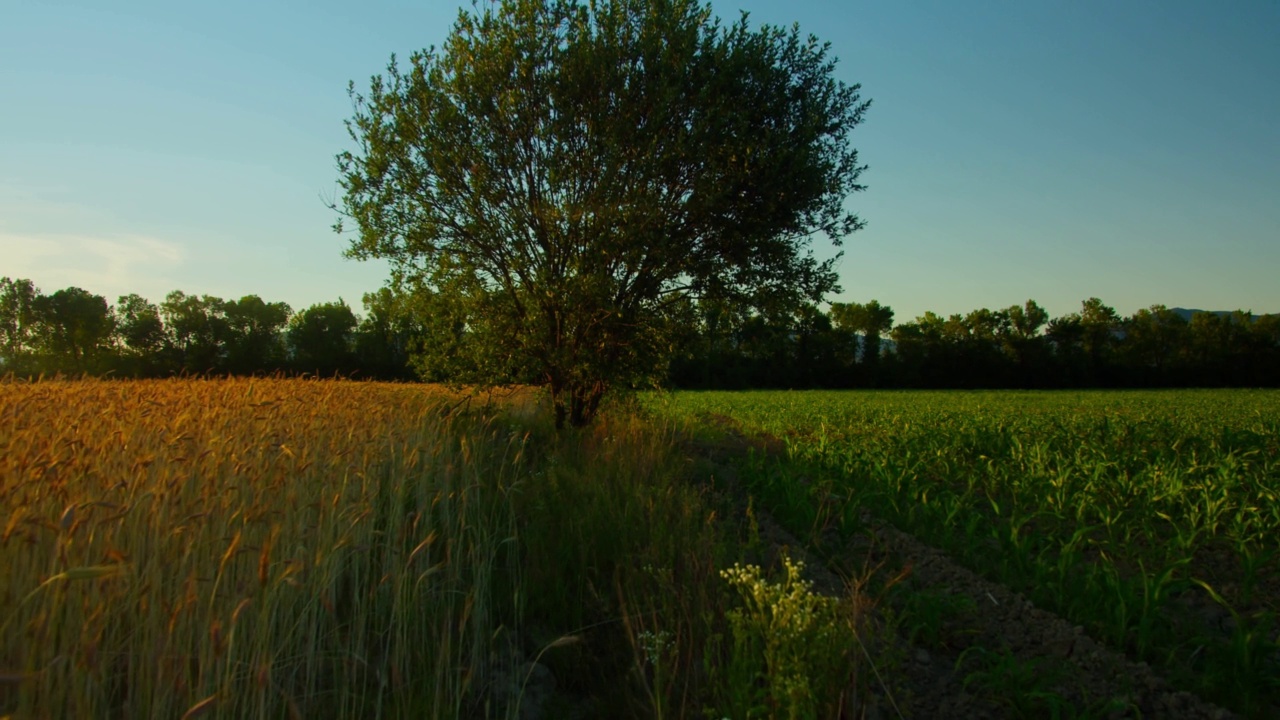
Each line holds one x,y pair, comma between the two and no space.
247,547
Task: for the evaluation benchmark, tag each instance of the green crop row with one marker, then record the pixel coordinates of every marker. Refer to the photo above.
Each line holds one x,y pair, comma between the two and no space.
1150,518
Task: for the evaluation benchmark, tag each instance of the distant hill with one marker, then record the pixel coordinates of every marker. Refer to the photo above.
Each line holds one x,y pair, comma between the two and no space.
1186,313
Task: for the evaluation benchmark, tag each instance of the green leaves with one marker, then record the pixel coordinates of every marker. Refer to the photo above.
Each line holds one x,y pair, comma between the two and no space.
569,173
1146,518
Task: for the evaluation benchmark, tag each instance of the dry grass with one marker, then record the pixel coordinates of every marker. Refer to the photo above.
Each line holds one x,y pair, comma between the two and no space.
248,548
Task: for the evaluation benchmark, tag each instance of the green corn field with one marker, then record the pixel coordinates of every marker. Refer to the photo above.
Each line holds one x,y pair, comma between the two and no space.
1150,518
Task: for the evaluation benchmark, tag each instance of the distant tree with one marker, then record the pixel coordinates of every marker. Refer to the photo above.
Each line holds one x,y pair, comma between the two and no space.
816,349
198,331
1100,333
387,336
1155,345
1211,340
76,329
710,355
17,325
921,352
322,339
255,335
957,331
1066,339
142,333
908,354
978,360
1025,321
870,322
986,326
1019,346
1264,352
1024,344
1266,329
1243,350
565,175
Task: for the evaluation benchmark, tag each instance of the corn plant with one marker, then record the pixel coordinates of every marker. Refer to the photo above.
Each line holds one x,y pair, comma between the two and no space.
1148,517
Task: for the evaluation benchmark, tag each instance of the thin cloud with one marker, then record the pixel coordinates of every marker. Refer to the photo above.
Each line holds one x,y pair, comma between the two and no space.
110,265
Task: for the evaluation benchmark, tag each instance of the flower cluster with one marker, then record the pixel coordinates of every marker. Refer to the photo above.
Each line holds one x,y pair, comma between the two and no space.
796,637
655,645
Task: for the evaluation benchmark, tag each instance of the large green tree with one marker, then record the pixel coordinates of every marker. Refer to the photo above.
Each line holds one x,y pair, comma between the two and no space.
562,174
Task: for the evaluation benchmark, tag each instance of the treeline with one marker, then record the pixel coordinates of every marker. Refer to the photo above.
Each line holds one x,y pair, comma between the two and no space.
851,345
856,345
74,332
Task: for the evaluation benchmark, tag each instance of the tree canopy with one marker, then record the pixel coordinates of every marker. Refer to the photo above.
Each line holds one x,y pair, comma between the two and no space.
562,179
719,344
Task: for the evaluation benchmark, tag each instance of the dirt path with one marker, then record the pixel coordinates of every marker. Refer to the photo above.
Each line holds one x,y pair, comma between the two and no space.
956,645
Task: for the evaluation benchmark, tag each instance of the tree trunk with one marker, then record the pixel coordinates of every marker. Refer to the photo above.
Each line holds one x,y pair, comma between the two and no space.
557,403
585,403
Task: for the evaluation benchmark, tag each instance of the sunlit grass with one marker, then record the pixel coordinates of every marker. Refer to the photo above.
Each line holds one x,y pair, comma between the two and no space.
255,547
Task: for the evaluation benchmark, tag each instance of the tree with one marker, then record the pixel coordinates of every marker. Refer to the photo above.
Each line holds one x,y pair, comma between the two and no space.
77,328
1100,325
386,336
1154,339
711,356
1025,321
17,324
871,321
1066,335
921,349
323,337
142,332
1023,342
1264,336
198,330
817,349
254,334
563,174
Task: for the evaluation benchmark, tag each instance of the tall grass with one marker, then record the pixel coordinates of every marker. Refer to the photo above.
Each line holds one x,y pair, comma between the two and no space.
310,549
255,548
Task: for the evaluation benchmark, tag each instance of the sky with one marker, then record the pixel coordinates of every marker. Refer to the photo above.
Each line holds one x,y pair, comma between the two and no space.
1049,150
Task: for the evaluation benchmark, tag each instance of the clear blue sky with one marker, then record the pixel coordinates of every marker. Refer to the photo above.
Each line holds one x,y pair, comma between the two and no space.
1052,150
